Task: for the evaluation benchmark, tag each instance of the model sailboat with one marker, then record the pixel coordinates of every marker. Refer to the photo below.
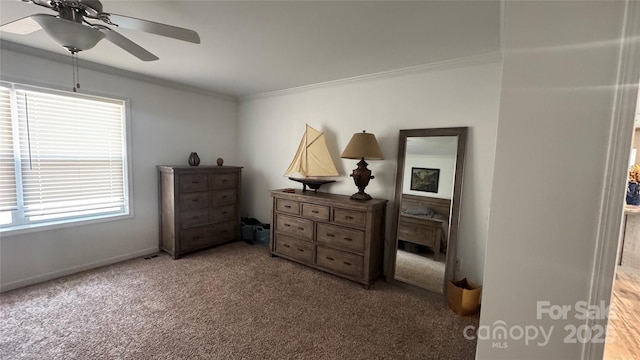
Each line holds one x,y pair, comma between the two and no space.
312,164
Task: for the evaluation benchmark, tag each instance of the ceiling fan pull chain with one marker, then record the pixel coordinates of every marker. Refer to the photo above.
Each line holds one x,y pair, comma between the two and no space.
73,70
77,72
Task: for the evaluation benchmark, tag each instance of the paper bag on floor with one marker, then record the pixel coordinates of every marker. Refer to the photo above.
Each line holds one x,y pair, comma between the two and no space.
464,297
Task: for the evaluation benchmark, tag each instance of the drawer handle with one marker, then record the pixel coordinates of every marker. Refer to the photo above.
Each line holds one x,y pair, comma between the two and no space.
315,211
224,197
300,228
330,258
195,217
287,225
195,182
224,180
224,213
195,200
331,235
286,245
348,239
287,206
348,217
196,237
346,263
301,250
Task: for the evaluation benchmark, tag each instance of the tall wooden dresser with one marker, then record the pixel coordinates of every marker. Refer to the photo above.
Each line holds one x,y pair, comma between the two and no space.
330,232
199,207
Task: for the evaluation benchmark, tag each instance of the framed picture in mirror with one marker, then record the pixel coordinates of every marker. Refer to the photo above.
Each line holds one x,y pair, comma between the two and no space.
423,179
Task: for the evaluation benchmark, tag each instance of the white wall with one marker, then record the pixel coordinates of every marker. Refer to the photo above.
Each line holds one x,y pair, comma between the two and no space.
462,95
560,66
445,164
166,125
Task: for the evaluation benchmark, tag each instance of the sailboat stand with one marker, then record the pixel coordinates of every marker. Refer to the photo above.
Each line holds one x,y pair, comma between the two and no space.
313,184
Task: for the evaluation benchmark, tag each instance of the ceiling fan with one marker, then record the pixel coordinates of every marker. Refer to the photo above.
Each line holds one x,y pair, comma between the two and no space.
76,29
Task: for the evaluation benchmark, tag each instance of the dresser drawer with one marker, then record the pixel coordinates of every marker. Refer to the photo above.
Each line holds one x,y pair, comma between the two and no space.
223,181
316,212
195,238
339,261
223,212
225,231
288,206
416,233
191,183
193,201
223,197
342,237
295,226
349,217
194,218
294,248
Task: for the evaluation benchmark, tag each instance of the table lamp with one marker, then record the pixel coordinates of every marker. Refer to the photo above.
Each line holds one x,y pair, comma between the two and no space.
362,146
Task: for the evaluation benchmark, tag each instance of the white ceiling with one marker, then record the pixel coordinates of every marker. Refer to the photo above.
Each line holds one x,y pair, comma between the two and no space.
251,47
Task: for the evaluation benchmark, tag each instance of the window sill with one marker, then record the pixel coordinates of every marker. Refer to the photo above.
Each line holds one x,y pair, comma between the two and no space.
25,229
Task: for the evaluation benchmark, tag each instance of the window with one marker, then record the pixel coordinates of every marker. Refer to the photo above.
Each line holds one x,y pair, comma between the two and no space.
63,157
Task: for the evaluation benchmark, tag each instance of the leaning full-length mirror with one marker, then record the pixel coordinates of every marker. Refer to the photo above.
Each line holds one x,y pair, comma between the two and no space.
427,207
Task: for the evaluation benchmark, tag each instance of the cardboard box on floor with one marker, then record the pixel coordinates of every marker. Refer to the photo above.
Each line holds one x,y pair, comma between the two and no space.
464,297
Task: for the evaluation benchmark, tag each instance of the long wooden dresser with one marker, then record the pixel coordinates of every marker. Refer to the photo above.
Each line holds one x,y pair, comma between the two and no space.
330,232
199,207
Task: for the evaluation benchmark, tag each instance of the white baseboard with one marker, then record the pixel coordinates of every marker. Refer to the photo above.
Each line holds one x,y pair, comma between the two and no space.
74,269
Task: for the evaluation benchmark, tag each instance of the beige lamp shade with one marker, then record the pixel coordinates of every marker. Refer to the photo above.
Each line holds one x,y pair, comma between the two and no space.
363,146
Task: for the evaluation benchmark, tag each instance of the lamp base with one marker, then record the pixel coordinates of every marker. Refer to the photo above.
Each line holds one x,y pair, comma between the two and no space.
361,176
361,196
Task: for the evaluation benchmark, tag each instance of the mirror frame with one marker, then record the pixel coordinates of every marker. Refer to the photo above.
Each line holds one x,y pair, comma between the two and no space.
454,215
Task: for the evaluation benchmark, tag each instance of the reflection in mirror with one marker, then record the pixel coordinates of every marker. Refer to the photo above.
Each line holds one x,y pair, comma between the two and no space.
426,210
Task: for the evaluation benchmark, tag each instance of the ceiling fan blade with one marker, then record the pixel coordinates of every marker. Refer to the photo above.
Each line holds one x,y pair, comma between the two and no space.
128,45
23,26
154,28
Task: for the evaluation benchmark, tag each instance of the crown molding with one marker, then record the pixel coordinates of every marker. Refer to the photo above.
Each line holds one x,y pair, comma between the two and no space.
90,65
486,58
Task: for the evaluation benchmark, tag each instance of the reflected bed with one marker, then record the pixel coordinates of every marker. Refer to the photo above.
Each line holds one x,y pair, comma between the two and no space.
424,221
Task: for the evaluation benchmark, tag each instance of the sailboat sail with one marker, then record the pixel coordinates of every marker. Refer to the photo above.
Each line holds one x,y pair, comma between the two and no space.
312,158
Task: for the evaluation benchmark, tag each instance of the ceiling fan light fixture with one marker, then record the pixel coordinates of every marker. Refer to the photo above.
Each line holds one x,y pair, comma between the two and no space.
72,35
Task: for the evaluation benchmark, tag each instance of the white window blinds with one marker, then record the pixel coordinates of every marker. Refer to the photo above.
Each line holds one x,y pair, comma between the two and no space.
8,197
69,151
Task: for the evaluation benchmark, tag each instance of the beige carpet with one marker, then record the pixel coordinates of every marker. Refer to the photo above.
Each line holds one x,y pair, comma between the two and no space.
420,271
230,302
